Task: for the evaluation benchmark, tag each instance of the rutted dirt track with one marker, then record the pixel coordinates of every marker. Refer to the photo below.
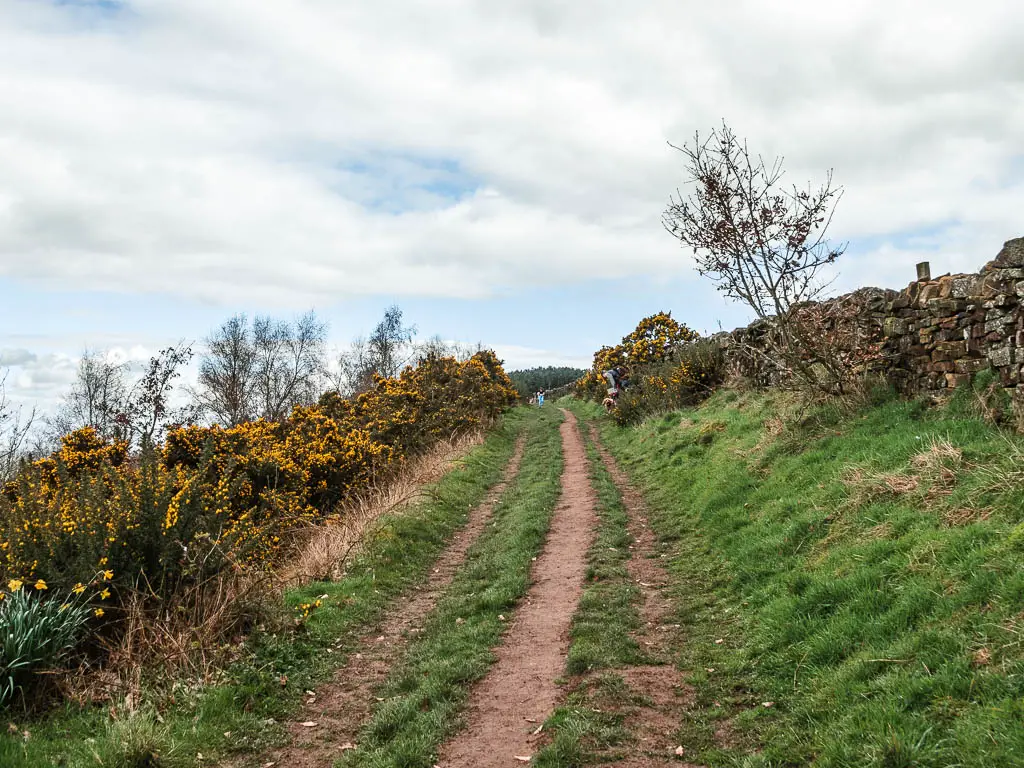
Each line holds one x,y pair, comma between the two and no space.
340,707
665,693
519,692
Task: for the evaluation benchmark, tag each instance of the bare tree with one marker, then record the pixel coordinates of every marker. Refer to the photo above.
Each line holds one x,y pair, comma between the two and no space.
289,362
385,352
761,242
355,369
227,373
15,426
149,411
390,344
261,371
435,346
97,399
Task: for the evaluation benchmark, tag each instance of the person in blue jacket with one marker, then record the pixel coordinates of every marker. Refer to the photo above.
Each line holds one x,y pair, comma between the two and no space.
540,397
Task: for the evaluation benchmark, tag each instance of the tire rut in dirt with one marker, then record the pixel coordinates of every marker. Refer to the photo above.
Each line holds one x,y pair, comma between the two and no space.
662,688
341,707
519,692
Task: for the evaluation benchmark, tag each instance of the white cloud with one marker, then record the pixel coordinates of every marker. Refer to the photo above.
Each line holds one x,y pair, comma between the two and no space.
281,153
38,379
9,357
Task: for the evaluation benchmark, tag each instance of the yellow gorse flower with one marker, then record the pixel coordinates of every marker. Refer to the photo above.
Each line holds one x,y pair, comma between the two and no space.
242,490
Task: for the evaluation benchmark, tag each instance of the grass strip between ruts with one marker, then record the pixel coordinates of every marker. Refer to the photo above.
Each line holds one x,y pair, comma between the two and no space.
178,725
427,691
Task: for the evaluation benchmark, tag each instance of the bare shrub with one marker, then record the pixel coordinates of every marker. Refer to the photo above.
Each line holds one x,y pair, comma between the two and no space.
187,640
764,244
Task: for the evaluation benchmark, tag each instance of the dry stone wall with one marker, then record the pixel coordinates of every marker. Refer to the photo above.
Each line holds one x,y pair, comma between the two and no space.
941,332
936,333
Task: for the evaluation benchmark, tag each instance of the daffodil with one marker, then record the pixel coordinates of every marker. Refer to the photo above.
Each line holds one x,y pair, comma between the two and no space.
104,594
14,584
98,612
78,589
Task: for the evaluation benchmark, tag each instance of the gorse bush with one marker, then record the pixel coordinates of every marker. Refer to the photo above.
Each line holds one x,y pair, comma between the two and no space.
210,500
669,366
655,339
35,632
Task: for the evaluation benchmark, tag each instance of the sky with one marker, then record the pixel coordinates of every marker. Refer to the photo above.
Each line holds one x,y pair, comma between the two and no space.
498,170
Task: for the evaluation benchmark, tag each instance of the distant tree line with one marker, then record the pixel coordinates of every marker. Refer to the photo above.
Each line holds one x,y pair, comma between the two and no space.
529,380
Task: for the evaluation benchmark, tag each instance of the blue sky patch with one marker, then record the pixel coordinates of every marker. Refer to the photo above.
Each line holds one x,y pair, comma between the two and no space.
396,182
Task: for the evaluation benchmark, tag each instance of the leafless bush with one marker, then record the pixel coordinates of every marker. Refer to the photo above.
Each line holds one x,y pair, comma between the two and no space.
762,244
187,640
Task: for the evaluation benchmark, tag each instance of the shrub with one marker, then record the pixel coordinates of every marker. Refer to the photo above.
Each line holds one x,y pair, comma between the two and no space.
656,339
663,375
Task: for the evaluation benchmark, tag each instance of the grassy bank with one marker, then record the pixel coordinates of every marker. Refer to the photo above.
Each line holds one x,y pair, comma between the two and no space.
851,582
425,695
180,725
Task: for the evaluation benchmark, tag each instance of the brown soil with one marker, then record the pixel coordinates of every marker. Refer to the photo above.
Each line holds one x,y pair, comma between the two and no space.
340,707
508,706
662,693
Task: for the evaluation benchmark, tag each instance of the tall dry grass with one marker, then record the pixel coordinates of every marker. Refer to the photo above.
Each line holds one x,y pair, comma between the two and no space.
325,547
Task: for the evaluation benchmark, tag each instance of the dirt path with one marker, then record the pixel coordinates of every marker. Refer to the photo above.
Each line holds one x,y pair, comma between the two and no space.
665,694
340,708
519,692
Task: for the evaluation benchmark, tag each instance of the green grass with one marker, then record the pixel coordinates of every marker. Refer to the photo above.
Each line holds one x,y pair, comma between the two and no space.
425,694
884,627
588,723
243,713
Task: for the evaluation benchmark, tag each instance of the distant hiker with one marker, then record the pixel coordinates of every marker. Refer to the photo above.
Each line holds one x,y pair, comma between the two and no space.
540,397
616,378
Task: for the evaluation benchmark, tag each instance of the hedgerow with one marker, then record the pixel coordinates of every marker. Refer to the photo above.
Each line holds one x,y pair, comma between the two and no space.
102,523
